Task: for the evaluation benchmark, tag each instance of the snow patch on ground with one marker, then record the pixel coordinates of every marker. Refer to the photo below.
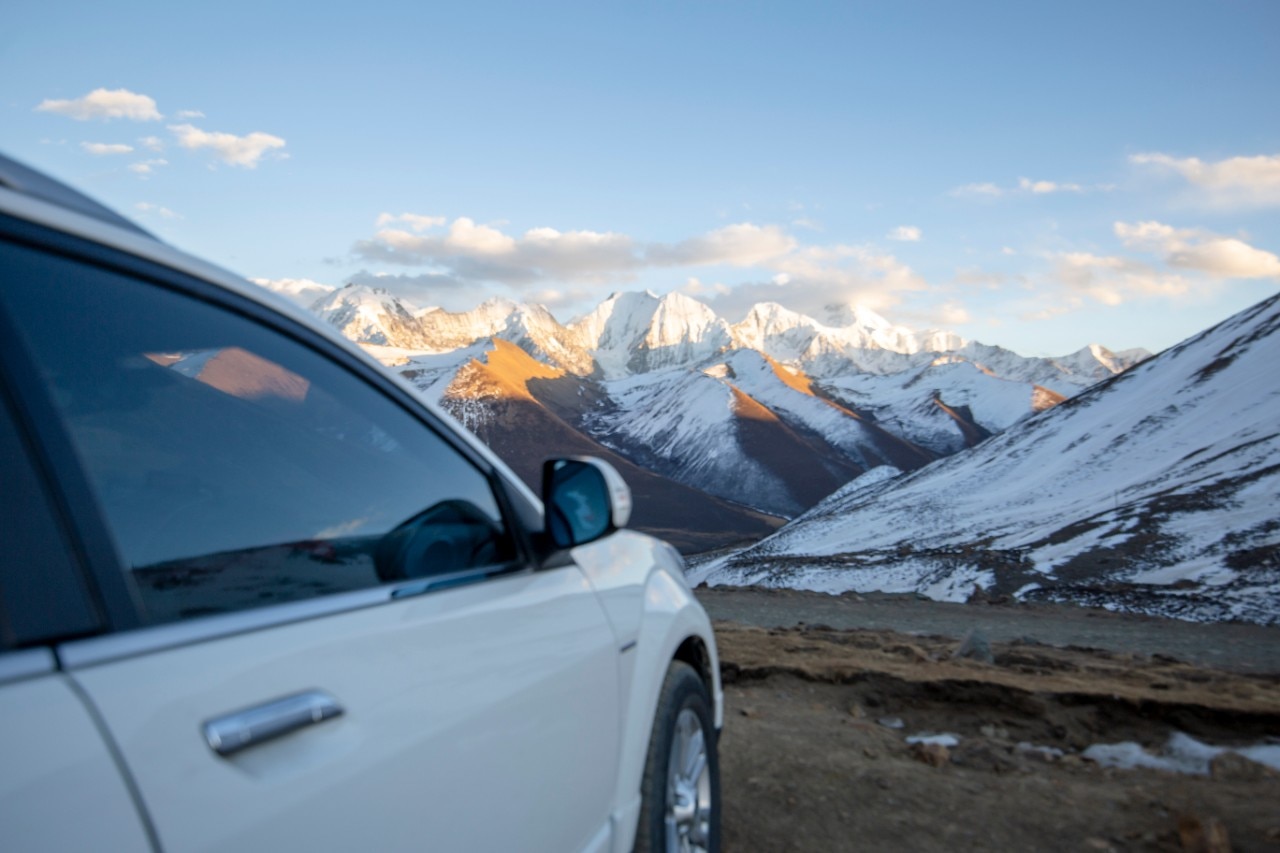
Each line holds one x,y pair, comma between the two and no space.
1181,754
945,739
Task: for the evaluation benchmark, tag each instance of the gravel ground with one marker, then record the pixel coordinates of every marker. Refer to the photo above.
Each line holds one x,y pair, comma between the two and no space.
814,754
1237,647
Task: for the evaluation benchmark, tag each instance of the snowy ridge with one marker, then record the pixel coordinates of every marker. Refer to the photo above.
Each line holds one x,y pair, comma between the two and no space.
847,330
633,333
1152,492
927,406
773,413
685,424
372,315
638,332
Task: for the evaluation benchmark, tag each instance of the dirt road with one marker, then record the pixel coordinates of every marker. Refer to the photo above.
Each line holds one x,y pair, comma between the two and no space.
815,753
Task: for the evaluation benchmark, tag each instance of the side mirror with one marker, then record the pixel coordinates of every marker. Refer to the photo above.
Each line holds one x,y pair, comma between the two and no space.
585,499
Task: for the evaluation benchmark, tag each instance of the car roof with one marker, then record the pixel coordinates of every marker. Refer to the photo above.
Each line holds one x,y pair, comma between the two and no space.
23,179
33,196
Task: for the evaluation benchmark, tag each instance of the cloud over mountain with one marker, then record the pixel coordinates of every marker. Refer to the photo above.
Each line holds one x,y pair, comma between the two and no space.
1234,181
1196,249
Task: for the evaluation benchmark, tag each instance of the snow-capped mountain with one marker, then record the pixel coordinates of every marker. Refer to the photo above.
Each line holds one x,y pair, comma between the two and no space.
510,401
639,332
1154,491
373,315
934,406
774,412
632,333
1065,375
848,335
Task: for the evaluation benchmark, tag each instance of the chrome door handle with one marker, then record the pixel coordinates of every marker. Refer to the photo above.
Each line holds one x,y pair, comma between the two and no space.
242,729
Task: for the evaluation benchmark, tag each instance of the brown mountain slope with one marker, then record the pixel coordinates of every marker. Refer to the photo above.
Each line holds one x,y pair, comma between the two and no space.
807,466
492,399
800,467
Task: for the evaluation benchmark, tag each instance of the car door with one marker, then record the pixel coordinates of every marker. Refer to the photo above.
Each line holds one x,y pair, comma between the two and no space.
54,757
333,637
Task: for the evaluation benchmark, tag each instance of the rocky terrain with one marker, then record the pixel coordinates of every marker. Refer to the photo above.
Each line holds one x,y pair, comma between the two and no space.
1018,735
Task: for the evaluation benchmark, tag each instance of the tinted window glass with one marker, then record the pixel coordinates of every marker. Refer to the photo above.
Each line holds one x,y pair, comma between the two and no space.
41,593
236,467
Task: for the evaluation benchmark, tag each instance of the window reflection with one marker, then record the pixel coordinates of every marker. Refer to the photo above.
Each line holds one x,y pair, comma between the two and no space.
236,467
236,372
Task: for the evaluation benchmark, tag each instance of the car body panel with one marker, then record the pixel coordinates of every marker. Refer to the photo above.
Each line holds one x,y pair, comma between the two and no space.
60,788
460,707
641,584
513,713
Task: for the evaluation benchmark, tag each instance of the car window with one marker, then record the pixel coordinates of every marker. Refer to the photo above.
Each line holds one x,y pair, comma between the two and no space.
235,466
42,594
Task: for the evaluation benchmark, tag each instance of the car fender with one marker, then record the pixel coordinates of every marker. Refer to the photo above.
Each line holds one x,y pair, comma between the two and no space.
641,586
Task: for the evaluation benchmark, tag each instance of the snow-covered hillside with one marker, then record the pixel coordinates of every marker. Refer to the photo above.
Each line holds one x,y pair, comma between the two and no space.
1156,491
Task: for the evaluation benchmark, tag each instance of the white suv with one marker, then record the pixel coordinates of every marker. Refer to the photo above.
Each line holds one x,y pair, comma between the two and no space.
255,594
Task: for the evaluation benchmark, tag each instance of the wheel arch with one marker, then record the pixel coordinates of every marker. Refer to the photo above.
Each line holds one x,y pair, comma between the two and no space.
693,651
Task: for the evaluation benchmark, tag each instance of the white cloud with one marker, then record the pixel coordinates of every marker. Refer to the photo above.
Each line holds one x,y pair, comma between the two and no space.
478,251
694,287
415,221
103,148
905,234
473,251
812,278
151,143
951,313
1028,186
435,289
983,189
302,291
147,207
188,114
1056,309
1245,181
466,237
1190,262
1212,254
147,167
740,245
464,253
1112,280
245,151
976,277
1046,187
105,104
1007,251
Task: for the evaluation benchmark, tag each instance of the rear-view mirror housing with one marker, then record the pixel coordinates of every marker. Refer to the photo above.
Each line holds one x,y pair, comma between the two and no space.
584,499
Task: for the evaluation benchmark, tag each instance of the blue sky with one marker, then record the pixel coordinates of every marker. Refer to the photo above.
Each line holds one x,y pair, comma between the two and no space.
1029,175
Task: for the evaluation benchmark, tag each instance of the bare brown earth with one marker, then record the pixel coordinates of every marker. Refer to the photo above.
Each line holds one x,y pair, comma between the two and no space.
808,762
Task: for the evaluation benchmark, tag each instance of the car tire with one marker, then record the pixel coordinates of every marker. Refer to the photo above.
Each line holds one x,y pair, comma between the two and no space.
680,793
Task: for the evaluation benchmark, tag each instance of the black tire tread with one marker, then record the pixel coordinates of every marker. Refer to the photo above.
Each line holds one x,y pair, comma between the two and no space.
681,687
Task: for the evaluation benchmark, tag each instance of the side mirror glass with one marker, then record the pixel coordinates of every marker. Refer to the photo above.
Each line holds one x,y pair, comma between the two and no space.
584,499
